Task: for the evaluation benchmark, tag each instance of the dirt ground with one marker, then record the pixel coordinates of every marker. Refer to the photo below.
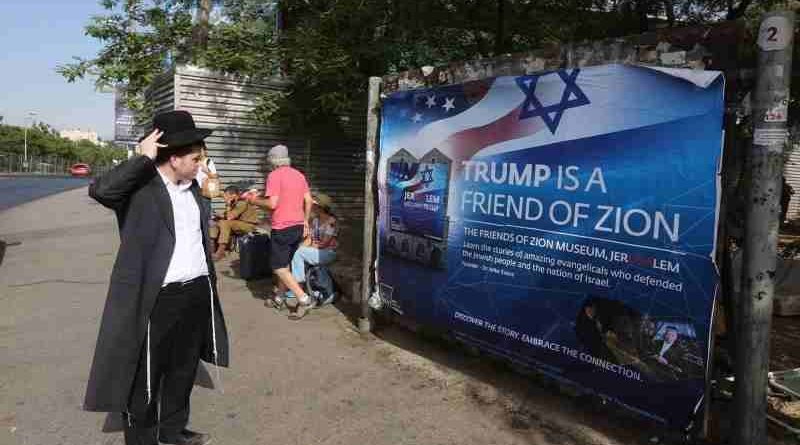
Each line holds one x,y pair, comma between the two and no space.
317,381
785,344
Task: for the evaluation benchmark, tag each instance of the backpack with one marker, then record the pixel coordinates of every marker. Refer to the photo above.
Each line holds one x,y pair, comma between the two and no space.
320,285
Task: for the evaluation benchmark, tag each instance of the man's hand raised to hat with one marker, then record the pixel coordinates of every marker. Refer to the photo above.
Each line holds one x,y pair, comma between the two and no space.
149,145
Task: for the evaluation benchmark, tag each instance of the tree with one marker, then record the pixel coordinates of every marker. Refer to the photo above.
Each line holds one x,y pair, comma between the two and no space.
201,25
44,140
328,48
139,42
331,47
143,38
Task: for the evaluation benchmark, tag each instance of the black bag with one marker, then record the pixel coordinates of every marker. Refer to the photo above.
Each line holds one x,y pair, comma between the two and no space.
320,284
254,256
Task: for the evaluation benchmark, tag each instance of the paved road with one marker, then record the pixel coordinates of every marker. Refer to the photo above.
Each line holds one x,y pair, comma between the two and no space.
16,190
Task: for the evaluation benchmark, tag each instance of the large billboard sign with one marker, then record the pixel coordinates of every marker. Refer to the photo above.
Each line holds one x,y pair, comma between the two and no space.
565,220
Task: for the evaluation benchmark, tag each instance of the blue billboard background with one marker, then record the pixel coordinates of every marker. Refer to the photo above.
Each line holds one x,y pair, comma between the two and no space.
582,209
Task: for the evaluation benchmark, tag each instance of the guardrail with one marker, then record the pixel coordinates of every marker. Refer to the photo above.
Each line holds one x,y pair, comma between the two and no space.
13,163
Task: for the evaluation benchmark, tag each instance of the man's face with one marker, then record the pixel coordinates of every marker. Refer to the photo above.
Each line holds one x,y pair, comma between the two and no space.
589,310
671,335
186,166
229,197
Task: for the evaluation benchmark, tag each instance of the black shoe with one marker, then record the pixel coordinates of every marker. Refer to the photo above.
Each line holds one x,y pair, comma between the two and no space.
187,437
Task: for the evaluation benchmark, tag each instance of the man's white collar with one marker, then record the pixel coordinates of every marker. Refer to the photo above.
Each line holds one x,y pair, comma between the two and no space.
181,186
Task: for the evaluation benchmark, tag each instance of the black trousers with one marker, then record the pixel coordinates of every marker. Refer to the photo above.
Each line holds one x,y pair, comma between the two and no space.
179,326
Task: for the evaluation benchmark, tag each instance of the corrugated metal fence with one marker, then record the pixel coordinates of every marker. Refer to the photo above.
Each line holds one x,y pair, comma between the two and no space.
239,144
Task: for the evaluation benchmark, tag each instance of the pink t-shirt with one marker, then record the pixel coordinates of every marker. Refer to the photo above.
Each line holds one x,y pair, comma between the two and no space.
289,185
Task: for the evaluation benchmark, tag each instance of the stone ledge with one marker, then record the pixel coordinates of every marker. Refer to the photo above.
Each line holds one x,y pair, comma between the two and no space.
346,273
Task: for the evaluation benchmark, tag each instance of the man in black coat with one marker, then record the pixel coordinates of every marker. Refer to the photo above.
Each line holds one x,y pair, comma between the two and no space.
162,313
590,331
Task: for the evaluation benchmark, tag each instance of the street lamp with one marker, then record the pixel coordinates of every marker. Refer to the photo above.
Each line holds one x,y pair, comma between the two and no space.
31,115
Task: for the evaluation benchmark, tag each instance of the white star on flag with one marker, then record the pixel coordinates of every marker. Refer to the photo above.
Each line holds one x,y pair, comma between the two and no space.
417,117
431,101
448,104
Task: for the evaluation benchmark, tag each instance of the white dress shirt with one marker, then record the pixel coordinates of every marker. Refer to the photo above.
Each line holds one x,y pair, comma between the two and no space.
189,257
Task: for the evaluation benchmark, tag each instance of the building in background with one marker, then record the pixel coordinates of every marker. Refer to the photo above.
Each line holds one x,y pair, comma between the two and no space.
76,135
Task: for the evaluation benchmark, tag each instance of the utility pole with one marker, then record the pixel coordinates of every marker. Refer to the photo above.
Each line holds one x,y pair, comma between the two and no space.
373,128
765,164
201,26
31,115
25,148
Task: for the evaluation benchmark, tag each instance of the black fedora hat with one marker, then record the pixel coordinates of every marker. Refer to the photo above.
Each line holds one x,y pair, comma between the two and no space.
179,129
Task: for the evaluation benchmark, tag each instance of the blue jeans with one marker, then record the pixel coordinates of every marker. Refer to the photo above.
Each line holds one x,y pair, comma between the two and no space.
309,255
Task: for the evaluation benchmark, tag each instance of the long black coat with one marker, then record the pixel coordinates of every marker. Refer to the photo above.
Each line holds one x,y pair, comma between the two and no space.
138,195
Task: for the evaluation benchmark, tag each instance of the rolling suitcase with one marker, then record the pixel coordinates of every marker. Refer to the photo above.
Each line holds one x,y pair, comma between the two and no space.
254,256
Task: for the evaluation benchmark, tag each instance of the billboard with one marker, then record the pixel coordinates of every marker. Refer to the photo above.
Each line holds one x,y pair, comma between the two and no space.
125,130
571,219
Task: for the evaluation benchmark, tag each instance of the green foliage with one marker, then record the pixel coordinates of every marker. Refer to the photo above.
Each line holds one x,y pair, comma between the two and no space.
43,140
332,47
241,47
138,44
329,48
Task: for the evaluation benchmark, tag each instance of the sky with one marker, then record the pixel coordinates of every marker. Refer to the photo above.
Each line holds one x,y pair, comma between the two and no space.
35,37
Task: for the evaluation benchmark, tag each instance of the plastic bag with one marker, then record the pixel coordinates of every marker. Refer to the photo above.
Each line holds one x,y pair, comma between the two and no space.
212,186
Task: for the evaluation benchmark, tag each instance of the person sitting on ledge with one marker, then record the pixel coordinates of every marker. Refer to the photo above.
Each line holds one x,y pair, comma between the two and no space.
319,247
240,217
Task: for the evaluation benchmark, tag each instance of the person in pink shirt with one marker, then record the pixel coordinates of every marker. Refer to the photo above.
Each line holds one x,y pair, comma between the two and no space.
288,196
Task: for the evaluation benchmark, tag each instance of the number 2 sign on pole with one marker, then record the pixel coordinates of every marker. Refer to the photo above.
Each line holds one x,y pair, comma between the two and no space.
765,165
774,33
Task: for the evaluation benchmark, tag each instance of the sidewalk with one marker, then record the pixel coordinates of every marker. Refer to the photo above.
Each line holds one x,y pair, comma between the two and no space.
316,381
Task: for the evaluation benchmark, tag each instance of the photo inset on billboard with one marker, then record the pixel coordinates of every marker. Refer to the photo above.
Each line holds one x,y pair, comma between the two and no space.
418,193
663,349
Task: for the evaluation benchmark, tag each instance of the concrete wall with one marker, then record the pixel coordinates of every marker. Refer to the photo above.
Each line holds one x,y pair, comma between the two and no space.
701,47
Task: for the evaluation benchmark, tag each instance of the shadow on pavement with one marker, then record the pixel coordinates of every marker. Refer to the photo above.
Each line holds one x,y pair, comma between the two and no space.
524,398
527,401
262,287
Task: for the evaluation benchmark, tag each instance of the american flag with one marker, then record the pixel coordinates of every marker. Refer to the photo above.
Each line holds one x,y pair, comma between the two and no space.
461,120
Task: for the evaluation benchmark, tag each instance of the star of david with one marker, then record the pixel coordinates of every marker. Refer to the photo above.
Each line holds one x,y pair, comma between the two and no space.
551,115
427,175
